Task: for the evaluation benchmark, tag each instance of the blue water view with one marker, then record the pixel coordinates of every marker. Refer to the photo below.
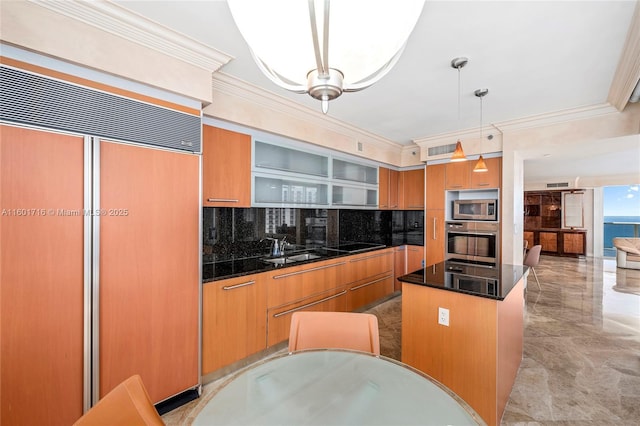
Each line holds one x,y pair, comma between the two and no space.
619,226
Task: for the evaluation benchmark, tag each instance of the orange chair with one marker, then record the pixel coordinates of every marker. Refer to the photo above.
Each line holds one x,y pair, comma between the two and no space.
128,404
532,259
334,330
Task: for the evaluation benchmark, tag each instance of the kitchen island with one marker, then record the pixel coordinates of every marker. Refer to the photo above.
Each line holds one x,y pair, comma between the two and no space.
463,325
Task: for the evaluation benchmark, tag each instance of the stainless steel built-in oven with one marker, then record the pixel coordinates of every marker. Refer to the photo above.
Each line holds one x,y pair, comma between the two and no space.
473,241
473,278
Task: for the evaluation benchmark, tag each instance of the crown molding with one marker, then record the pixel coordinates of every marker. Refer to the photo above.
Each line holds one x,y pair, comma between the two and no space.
112,18
230,85
531,122
627,74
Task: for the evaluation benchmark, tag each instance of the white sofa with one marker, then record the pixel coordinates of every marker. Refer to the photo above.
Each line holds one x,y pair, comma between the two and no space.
627,252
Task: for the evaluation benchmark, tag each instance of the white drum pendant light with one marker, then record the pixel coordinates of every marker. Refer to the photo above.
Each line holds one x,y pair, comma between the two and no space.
325,48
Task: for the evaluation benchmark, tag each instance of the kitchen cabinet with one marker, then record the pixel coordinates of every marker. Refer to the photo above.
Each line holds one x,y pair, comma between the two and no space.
412,184
477,356
271,158
388,188
313,286
371,276
226,168
415,258
492,178
399,265
457,175
549,241
460,175
435,238
435,186
279,318
149,268
435,214
41,277
233,320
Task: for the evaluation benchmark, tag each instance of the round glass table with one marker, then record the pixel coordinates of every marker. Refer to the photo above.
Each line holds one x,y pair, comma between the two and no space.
334,387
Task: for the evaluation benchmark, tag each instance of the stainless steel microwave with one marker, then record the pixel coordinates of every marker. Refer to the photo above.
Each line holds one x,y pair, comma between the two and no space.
475,210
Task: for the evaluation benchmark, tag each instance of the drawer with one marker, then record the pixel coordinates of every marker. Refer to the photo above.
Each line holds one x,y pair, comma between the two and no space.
279,319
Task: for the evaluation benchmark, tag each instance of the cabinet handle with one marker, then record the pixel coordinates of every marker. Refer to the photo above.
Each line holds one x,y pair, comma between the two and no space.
435,237
368,257
277,277
279,314
482,184
370,282
222,200
416,206
455,186
231,287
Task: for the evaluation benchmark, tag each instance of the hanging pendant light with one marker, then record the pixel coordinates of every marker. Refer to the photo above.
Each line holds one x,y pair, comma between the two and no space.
481,166
325,48
458,154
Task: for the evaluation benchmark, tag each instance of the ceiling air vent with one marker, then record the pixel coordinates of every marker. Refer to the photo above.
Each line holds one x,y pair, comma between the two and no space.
558,185
442,149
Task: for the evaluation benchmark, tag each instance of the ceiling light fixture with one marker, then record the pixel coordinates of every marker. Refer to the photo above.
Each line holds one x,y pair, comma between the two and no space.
458,154
291,41
481,166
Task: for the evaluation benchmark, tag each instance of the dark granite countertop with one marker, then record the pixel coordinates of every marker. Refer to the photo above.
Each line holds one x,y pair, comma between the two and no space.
230,268
493,282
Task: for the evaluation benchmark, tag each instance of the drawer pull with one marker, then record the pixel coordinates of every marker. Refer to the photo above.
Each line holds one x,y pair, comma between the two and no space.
277,277
370,282
289,311
369,257
222,200
231,287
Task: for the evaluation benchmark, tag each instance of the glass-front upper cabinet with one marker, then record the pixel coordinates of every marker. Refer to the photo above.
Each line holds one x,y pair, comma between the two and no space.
279,158
346,170
270,190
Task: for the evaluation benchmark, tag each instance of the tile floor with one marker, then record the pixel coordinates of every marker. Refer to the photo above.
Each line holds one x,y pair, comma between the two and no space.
581,363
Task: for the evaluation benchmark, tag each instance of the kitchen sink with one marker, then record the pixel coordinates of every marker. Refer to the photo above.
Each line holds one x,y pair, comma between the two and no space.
291,259
278,260
304,256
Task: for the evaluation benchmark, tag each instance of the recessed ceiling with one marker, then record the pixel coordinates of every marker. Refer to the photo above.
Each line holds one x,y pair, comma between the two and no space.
535,57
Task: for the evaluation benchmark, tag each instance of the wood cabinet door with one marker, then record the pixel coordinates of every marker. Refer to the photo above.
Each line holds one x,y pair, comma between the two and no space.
399,265
573,243
41,277
435,186
457,175
393,196
549,241
415,258
492,178
383,188
149,275
299,282
413,189
234,320
435,236
226,168
279,319
368,291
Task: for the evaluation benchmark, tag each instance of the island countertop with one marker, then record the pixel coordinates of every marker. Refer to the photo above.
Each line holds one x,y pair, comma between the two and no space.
490,281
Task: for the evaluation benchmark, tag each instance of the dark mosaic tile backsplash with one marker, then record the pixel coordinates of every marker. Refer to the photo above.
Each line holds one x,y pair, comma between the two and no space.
234,233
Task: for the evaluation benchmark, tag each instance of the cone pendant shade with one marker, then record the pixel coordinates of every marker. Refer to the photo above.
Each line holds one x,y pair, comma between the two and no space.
458,154
481,166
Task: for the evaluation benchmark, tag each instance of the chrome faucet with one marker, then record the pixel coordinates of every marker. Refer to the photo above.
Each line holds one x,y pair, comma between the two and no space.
277,246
